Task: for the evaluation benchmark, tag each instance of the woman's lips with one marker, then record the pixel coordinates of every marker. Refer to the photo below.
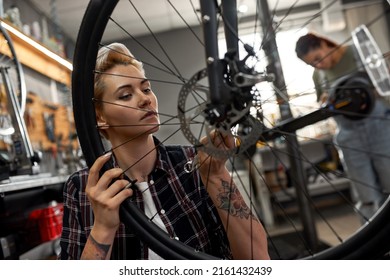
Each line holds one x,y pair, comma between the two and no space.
148,114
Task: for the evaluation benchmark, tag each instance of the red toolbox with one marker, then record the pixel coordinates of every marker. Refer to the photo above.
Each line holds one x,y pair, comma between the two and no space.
49,221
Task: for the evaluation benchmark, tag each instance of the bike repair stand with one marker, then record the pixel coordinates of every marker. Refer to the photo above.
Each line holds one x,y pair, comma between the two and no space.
22,159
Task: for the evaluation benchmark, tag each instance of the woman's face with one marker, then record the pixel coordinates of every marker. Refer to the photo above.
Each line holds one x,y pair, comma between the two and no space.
320,58
129,104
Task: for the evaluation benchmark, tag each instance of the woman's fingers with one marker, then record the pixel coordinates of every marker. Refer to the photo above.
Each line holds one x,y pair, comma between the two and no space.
117,187
110,183
106,193
108,178
228,140
220,140
94,171
120,193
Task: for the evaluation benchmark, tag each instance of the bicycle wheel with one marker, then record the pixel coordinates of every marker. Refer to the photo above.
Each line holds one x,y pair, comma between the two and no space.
9,60
177,71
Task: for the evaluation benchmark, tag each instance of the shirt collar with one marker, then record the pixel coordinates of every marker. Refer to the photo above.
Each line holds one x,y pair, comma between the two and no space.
162,156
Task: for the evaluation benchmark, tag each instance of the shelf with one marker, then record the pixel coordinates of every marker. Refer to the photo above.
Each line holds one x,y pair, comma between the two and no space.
22,182
34,55
335,185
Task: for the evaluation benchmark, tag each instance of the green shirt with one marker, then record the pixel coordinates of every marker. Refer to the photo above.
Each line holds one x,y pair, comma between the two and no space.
324,78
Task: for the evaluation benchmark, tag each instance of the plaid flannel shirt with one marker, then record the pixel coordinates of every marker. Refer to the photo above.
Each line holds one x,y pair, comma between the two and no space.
180,198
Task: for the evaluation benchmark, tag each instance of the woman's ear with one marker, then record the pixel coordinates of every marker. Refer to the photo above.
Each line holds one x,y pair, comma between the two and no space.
101,122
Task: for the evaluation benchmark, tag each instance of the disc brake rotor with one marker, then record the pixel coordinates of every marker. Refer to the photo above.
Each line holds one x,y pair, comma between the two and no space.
192,113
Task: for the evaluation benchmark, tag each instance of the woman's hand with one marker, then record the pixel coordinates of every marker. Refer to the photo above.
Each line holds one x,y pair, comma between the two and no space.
324,98
236,216
105,197
209,164
106,193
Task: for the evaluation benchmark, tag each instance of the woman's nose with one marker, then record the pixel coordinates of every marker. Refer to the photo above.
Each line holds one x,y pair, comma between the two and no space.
144,101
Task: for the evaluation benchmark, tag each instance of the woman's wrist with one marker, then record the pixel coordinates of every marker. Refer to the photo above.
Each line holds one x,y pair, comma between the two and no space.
99,243
103,234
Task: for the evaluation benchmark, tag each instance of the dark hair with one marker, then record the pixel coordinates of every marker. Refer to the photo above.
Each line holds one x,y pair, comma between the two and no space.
310,42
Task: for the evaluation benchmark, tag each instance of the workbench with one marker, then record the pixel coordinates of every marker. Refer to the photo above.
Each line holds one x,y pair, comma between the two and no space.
24,182
19,197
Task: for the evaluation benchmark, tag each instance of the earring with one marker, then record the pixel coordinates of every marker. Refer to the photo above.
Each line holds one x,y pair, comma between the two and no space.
102,124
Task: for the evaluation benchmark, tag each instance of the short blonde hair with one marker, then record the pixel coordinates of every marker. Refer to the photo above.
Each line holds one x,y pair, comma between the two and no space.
108,57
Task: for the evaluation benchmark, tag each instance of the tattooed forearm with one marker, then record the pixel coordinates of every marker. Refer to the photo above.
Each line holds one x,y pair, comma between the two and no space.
230,199
99,250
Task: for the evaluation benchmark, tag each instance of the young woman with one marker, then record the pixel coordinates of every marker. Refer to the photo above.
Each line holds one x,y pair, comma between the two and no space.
205,212
364,144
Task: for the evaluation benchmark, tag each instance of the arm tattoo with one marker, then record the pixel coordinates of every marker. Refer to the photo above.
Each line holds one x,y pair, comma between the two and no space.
101,249
232,201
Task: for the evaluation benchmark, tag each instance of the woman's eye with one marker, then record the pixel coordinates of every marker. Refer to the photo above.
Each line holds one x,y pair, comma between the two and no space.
125,96
147,90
